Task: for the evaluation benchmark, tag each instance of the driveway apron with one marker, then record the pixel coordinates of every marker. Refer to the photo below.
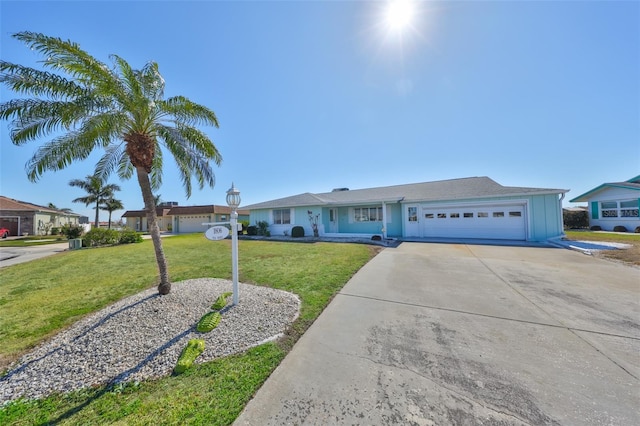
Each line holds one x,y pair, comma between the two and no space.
434,334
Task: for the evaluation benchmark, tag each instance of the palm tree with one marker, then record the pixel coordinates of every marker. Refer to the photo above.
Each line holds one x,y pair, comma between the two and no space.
97,192
118,109
111,205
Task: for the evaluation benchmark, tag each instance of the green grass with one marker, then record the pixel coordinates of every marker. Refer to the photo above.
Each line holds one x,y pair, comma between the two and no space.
33,240
41,297
602,236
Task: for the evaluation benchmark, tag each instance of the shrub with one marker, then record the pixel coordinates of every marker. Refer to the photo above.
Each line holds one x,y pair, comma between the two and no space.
71,231
619,228
189,354
637,230
263,228
55,231
252,230
297,232
128,236
101,237
376,238
221,301
596,228
575,219
209,321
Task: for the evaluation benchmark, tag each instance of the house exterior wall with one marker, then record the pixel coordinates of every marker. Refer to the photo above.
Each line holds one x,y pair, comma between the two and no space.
613,195
22,222
543,216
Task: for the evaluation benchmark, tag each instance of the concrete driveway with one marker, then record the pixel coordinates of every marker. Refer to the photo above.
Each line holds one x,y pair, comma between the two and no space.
437,334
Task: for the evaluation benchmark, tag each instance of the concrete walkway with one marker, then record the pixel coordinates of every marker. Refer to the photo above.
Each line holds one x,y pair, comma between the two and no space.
440,334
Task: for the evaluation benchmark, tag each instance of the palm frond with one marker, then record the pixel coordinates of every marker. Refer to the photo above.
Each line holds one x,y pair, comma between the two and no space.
68,56
26,80
186,112
110,161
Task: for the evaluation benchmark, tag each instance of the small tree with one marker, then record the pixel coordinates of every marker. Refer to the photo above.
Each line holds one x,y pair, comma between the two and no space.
111,205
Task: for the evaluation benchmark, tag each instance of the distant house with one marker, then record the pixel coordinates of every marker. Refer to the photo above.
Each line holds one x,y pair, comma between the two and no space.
476,207
613,204
23,218
182,219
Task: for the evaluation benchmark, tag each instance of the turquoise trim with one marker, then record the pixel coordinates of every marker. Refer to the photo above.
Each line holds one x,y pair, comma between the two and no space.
585,196
594,210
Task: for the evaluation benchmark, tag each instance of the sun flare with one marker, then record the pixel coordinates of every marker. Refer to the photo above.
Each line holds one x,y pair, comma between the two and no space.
399,14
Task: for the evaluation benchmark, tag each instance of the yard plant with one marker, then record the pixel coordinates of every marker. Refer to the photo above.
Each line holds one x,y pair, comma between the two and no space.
41,297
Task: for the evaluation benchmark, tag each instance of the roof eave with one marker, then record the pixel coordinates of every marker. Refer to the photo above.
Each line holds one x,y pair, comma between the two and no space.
585,197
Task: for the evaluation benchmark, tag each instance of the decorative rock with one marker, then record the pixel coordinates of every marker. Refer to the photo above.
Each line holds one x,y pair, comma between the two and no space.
141,337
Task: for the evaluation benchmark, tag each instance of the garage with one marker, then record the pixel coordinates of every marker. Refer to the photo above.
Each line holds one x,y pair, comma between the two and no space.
503,222
193,223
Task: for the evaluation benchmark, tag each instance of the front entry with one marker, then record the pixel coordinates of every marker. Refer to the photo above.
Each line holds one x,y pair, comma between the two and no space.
333,221
412,225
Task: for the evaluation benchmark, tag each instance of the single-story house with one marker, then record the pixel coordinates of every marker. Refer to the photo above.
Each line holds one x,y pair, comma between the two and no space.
23,218
613,204
137,219
183,219
475,207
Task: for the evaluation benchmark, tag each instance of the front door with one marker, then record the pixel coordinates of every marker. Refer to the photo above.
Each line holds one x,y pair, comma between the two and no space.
333,221
412,223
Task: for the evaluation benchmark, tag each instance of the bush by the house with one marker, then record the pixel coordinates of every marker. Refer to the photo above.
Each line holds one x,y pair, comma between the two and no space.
297,232
71,231
619,228
106,237
596,228
263,228
252,230
637,230
55,231
575,219
129,236
101,237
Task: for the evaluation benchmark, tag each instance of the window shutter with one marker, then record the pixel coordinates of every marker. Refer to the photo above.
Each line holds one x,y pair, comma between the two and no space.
594,210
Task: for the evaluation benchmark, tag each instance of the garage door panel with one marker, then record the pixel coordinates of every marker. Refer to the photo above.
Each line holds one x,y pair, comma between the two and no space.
494,222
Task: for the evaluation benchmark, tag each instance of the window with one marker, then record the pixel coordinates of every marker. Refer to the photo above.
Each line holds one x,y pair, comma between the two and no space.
468,214
367,214
454,215
515,214
442,215
498,214
412,213
282,217
609,208
483,214
428,216
629,208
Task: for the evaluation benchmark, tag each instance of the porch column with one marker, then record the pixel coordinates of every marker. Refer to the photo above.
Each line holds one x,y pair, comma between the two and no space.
384,220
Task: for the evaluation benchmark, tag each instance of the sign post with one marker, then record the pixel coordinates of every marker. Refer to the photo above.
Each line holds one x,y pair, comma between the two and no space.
218,232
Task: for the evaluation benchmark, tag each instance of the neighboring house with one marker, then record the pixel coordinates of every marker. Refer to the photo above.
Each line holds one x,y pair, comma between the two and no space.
189,219
137,219
182,219
613,204
475,207
23,218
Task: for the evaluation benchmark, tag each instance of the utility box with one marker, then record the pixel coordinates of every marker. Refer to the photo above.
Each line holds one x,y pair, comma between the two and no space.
75,243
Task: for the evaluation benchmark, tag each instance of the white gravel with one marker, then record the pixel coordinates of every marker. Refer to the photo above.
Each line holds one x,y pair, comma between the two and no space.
141,337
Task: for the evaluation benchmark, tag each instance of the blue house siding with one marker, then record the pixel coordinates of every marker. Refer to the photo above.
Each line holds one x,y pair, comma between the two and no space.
533,214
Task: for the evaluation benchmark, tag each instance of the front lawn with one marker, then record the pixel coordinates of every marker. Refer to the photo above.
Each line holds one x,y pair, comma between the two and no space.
41,297
629,256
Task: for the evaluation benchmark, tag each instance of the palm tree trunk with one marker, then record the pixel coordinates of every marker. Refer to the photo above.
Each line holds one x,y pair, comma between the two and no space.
109,220
97,212
164,287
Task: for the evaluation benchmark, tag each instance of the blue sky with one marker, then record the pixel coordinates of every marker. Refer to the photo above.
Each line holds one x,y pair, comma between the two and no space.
314,95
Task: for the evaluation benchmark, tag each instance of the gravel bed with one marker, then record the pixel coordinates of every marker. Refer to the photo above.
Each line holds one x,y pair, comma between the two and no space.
141,337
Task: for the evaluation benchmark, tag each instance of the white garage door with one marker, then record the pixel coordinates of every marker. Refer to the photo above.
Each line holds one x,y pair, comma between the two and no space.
505,222
190,224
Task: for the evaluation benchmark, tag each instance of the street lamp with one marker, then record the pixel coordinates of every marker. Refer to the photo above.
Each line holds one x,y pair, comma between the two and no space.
233,200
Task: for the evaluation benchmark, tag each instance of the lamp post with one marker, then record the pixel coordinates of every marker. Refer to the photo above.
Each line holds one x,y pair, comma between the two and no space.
233,200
